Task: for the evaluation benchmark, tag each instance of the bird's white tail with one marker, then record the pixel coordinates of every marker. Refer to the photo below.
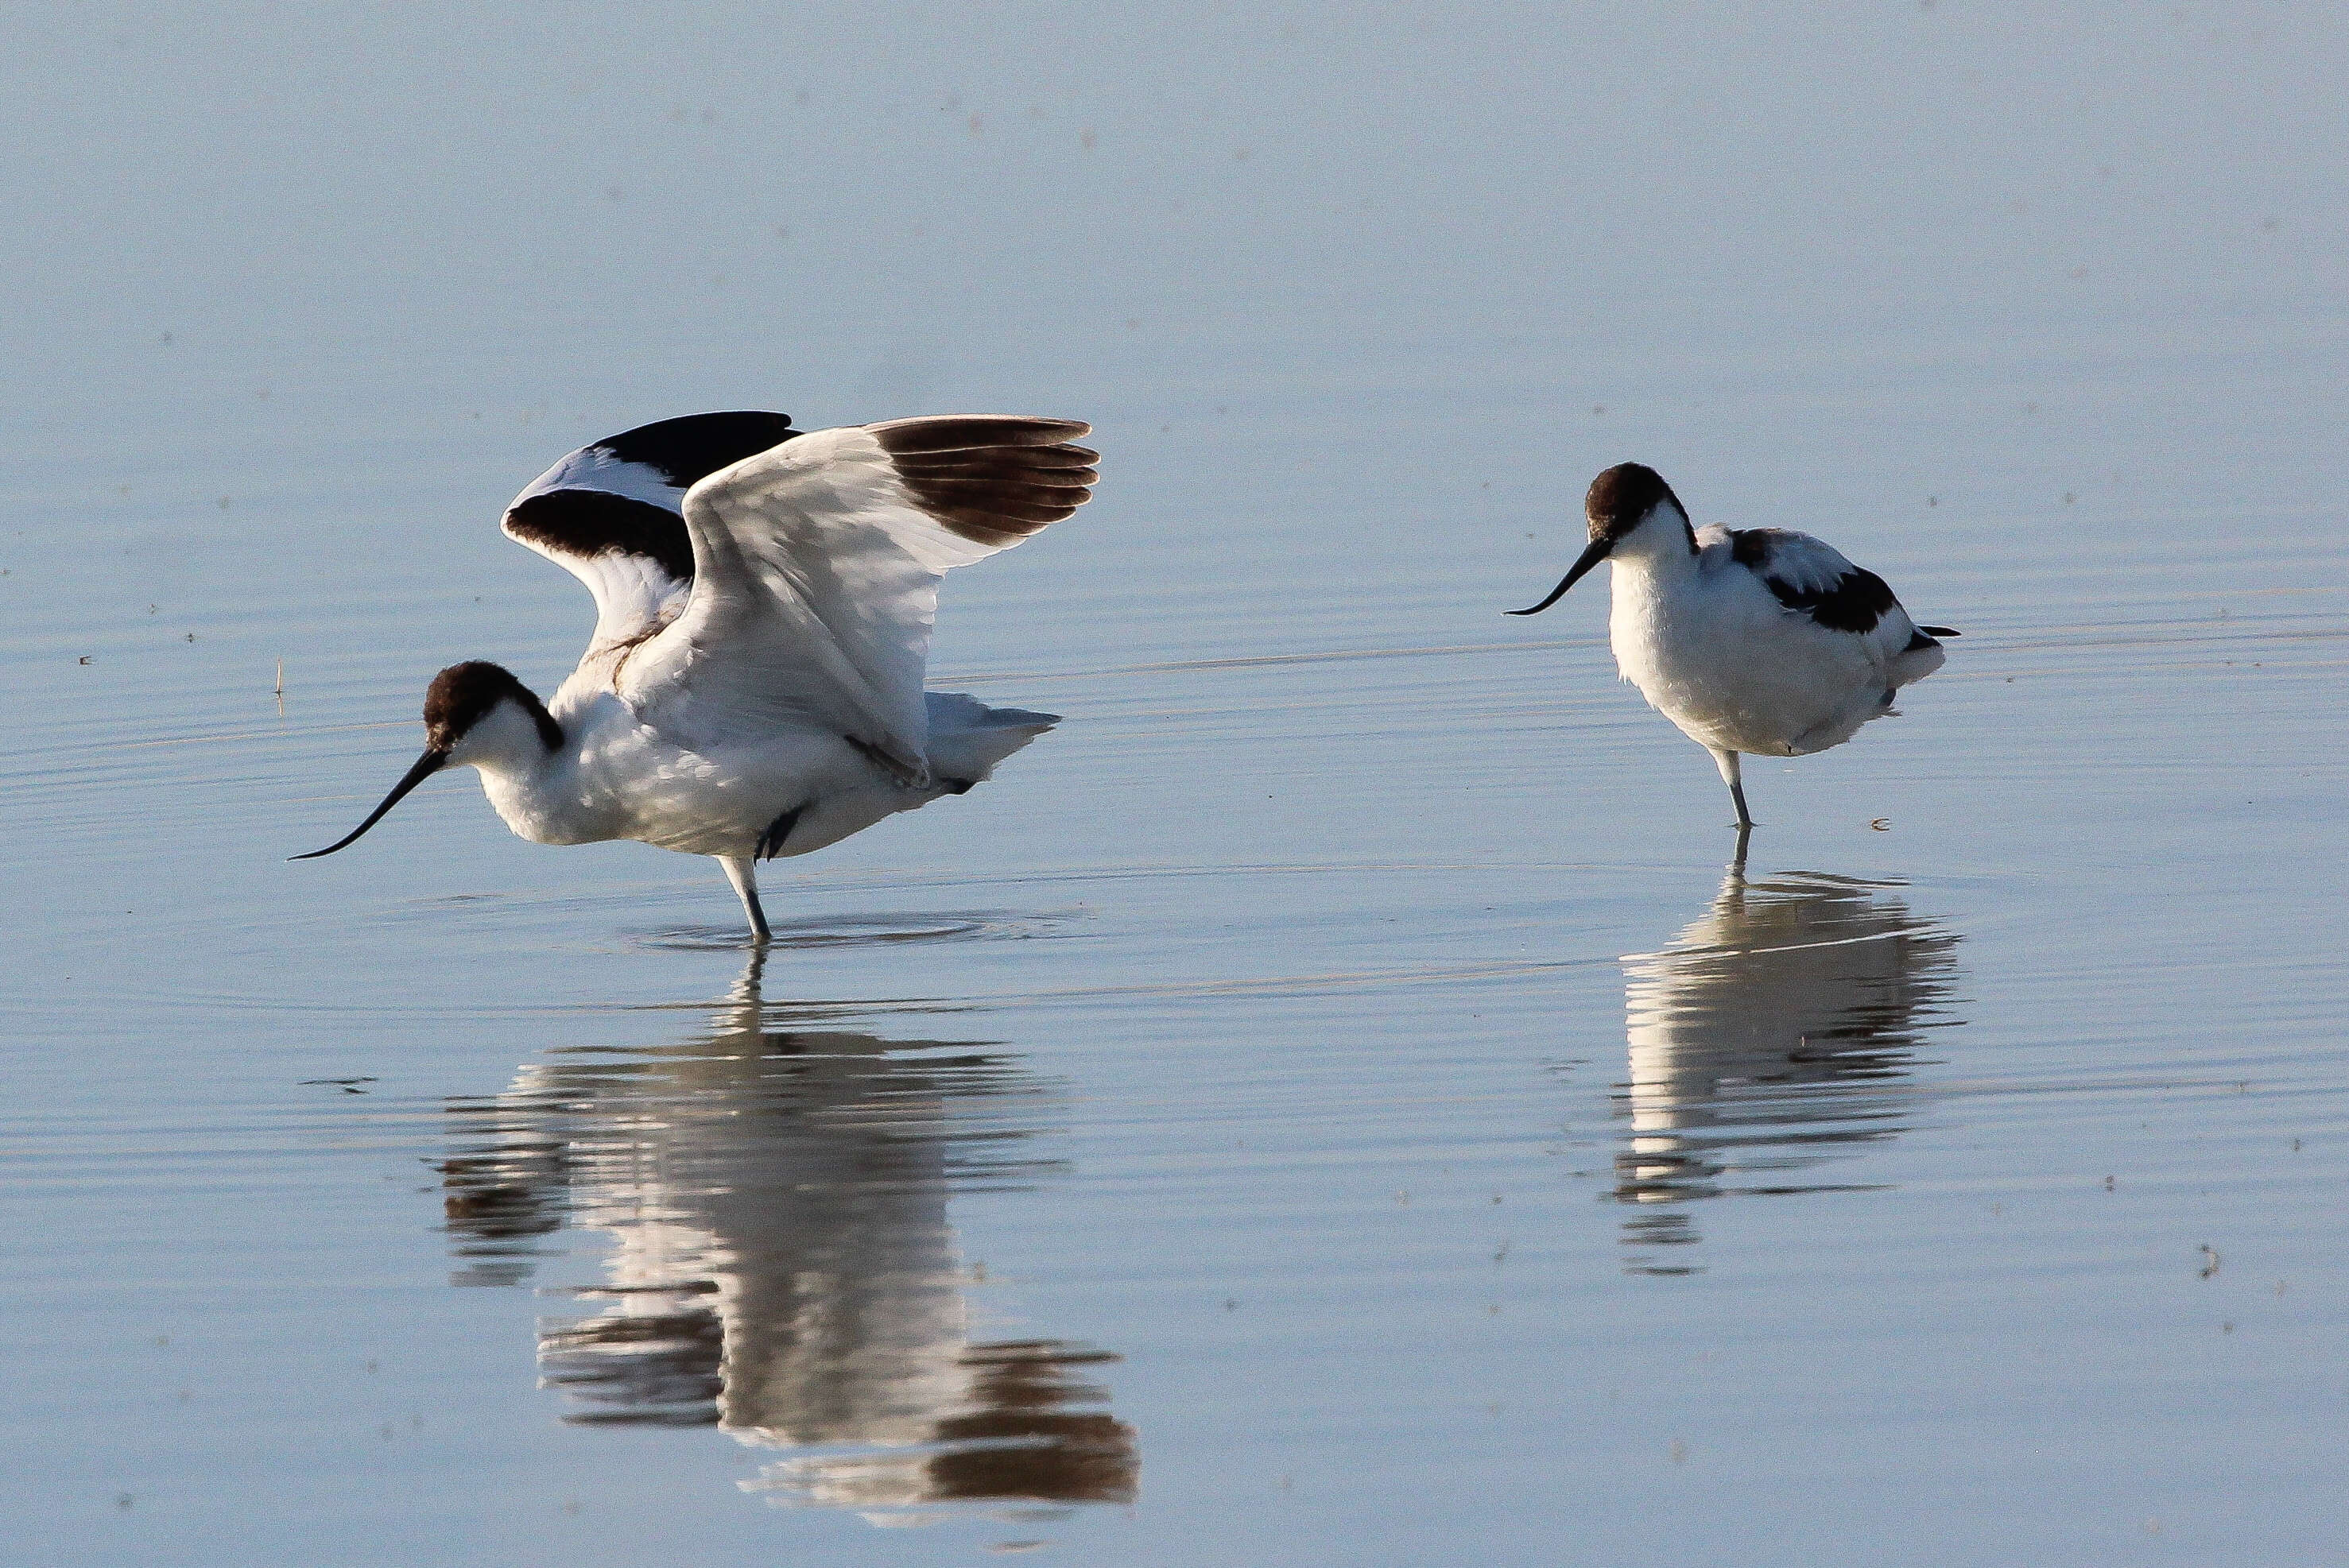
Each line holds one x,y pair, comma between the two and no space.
1915,663
967,737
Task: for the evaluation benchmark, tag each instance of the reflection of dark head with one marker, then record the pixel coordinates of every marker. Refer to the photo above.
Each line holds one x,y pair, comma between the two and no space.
496,1205
1017,1439
1022,1441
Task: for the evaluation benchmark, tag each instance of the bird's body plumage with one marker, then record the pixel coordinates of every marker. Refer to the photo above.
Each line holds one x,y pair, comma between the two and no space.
622,776
1760,641
1712,643
753,686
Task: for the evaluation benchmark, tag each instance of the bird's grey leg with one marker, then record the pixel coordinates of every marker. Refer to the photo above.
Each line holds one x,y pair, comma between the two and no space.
1727,762
743,872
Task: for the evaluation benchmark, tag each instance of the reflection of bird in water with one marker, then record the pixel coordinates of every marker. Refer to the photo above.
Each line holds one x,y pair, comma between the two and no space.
782,1265
1774,1030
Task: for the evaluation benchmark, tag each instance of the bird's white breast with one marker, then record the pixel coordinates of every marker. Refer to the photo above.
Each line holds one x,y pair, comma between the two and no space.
1710,646
617,778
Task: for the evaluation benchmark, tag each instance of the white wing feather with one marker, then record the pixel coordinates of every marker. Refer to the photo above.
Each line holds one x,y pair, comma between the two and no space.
633,594
609,514
815,575
1807,565
1803,564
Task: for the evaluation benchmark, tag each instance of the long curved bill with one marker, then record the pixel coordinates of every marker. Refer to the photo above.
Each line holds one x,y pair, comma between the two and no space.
428,764
1591,558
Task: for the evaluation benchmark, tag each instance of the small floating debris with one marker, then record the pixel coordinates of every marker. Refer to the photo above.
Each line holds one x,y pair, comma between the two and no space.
348,1085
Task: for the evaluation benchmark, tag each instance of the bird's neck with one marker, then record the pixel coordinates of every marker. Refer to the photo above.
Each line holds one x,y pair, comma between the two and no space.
544,793
510,746
516,737
1663,534
1660,551
538,795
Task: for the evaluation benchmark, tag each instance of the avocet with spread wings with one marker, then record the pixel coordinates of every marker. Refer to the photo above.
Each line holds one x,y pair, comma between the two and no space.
763,600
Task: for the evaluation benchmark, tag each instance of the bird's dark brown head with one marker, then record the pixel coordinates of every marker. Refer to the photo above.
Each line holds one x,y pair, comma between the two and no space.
455,704
1623,496
1619,501
462,696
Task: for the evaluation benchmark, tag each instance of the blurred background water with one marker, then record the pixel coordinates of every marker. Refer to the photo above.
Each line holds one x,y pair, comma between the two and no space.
1331,1100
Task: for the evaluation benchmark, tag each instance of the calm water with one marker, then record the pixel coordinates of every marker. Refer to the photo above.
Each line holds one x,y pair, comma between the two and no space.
1334,1100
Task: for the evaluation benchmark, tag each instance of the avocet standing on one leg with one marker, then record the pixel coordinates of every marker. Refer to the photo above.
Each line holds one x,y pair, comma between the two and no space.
1752,640
763,605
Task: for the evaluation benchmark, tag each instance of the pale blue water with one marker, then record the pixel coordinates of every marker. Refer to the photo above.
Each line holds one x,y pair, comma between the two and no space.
1329,1102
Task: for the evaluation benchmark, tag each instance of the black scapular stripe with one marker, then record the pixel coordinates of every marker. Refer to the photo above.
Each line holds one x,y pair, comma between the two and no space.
587,524
696,446
1856,603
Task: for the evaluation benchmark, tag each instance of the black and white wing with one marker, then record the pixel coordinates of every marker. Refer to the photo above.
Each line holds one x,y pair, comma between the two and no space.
815,575
612,514
1811,578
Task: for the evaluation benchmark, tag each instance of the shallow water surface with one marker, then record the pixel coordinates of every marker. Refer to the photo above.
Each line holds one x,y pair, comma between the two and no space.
1340,1098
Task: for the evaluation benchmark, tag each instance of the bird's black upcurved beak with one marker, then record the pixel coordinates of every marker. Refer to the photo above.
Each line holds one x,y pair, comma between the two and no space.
431,762
1591,558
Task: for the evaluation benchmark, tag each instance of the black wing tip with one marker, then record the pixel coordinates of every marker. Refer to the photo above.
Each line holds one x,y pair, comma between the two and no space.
954,432
1940,631
993,478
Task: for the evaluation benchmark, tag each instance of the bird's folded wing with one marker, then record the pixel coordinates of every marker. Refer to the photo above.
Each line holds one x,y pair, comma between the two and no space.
815,573
610,515
1804,564
1812,578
